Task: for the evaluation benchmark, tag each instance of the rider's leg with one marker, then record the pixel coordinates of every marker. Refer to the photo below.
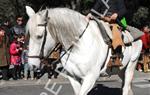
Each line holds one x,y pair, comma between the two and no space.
117,44
117,40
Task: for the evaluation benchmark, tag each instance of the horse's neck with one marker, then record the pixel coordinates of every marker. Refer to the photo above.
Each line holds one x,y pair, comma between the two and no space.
69,31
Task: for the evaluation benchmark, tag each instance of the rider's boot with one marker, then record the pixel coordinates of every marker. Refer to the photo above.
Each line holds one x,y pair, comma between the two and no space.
117,44
117,55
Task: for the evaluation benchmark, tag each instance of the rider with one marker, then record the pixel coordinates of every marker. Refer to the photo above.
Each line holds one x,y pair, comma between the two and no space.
115,13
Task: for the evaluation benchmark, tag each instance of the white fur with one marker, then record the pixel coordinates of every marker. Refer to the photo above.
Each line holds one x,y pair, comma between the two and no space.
30,12
87,56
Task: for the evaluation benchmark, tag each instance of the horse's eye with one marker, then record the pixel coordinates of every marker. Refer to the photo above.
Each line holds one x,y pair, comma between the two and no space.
39,36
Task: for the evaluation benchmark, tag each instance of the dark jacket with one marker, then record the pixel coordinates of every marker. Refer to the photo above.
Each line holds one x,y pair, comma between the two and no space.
18,30
4,52
116,6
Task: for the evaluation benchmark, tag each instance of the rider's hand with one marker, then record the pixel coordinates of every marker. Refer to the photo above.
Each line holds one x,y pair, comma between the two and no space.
105,18
114,16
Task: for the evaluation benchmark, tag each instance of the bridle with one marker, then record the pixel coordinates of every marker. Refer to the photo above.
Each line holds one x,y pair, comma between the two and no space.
41,55
56,47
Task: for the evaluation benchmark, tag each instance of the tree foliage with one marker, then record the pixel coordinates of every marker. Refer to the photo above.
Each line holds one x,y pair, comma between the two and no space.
141,16
11,8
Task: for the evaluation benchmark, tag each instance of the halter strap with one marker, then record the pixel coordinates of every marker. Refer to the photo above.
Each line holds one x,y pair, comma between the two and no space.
41,55
70,48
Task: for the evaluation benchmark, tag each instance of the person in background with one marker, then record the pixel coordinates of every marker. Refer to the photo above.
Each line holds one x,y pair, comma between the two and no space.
145,38
27,67
7,25
4,54
48,66
15,58
18,29
145,49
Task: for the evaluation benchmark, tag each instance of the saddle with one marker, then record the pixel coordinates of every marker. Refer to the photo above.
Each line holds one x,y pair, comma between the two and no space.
117,38
113,40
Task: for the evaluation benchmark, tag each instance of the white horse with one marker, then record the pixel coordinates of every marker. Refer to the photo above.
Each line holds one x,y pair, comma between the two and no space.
88,57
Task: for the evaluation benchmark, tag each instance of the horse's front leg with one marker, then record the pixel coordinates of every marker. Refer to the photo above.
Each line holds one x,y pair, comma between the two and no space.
75,84
88,82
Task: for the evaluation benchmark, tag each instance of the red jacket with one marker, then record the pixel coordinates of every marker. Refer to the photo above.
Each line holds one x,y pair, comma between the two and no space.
149,40
146,40
15,57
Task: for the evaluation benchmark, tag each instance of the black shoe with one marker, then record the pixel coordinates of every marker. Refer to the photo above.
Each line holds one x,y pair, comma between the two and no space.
55,77
118,52
14,78
6,79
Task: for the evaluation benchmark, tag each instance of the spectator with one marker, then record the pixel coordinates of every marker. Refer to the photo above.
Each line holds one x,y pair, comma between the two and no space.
15,54
6,25
4,54
27,67
18,29
149,39
145,38
145,49
48,66
21,40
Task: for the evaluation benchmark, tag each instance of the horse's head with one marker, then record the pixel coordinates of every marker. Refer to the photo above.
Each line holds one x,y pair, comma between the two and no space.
40,41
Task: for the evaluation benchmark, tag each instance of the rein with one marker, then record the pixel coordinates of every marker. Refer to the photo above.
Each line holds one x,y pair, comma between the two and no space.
70,48
41,55
56,47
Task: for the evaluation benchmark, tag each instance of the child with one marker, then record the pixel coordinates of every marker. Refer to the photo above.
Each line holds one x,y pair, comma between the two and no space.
15,58
27,68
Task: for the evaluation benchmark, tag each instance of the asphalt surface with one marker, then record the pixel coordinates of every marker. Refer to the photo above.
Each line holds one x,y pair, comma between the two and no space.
61,86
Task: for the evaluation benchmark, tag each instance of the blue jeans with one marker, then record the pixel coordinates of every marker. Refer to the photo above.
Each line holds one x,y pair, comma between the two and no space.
28,68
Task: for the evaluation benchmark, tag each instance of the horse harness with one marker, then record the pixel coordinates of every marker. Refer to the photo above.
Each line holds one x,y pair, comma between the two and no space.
56,47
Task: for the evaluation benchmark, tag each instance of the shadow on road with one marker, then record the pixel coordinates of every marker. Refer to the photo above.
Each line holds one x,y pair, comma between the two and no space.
103,90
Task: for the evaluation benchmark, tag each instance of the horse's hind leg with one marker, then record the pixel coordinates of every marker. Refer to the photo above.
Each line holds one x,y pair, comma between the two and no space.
75,84
126,76
121,74
129,73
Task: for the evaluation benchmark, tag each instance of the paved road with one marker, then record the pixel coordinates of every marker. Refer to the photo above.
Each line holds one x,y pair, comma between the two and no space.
61,86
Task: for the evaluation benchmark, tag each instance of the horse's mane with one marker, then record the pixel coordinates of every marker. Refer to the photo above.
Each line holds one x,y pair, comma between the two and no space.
65,25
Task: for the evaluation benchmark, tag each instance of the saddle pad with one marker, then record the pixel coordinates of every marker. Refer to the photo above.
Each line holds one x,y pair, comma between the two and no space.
127,38
136,33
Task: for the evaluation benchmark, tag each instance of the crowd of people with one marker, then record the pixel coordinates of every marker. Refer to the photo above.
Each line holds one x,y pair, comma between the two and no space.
14,53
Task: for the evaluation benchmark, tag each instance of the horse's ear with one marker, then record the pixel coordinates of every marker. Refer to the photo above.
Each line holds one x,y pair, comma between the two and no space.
30,12
45,15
